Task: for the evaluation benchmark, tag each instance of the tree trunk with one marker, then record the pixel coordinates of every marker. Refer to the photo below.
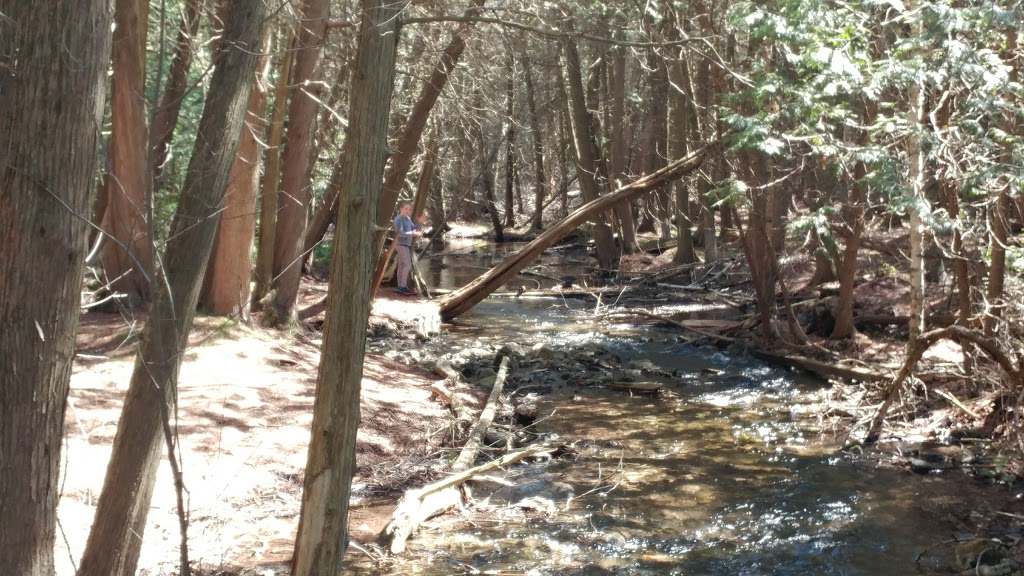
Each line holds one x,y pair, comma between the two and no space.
680,133
162,132
468,296
404,149
323,524
854,216
129,261
293,193
48,149
918,158
538,147
657,152
586,166
487,179
264,272
226,285
117,532
617,154
704,183
1000,211
510,142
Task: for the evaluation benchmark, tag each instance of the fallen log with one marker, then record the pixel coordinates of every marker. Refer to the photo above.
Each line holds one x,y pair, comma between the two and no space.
410,511
823,369
418,505
471,294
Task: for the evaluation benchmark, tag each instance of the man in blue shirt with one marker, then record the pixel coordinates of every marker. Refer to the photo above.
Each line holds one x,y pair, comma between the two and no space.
405,231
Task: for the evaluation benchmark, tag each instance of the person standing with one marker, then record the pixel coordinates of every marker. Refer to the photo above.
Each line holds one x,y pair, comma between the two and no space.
405,231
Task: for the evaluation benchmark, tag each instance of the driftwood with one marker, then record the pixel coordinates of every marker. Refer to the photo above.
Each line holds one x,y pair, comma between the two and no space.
823,369
410,511
420,504
467,297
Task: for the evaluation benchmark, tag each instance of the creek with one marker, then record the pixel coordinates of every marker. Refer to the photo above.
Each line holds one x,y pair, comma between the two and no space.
732,471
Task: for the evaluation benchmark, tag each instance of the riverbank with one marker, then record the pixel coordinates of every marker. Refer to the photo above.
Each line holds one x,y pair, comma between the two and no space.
247,396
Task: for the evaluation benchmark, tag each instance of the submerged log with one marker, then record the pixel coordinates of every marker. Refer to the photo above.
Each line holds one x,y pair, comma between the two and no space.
637,387
467,297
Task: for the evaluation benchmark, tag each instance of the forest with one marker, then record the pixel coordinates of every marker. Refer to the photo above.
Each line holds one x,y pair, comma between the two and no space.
198,205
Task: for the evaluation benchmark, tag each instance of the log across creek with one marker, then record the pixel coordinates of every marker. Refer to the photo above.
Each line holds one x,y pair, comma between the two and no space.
470,295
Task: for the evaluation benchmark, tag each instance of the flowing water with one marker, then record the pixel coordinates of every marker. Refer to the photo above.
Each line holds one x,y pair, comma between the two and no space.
728,474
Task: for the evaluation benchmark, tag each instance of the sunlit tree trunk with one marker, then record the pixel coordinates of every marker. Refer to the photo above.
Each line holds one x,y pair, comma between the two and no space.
540,192
293,192
116,536
323,523
917,178
129,261
49,119
226,285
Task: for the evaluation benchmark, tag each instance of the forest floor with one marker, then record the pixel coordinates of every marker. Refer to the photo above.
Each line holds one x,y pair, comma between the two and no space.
245,407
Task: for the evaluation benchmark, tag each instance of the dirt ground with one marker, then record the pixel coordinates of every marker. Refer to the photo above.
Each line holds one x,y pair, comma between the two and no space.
246,397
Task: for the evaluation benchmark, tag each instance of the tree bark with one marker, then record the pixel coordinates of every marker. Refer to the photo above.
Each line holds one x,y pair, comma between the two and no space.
264,273
49,136
468,296
854,215
617,154
540,192
586,166
1000,211
293,192
162,131
226,285
323,523
916,176
510,142
679,136
127,183
116,536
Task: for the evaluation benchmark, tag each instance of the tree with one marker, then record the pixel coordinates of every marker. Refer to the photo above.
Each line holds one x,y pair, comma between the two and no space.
128,263
323,523
226,284
293,193
50,111
540,193
586,164
116,536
